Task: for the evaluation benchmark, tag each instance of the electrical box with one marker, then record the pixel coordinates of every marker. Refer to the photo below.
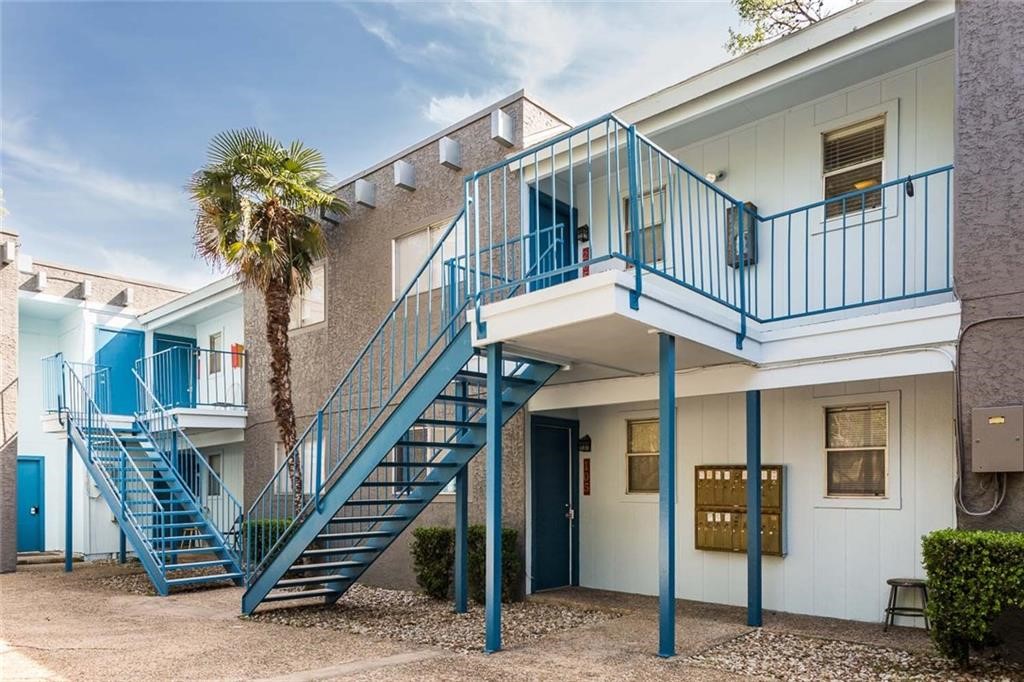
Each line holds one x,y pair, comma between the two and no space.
735,231
721,509
998,439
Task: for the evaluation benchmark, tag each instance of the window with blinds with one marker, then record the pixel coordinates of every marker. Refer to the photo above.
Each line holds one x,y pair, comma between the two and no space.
856,450
852,159
642,456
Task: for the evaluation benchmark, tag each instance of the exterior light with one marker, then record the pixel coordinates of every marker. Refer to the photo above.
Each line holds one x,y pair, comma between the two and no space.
583,233
714,176
584,443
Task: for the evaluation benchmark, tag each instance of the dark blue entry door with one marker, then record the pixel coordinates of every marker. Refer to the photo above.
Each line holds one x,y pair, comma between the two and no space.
30,505
555,503
173,369
552,243
118,349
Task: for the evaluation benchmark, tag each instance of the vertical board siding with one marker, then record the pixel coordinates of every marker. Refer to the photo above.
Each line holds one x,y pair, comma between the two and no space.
839,558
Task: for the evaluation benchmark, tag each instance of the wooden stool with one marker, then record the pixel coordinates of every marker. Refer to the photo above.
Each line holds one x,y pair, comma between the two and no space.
891,611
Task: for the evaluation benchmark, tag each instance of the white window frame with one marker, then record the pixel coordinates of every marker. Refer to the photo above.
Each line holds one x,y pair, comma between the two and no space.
282,486
890,111
433,230
628,231
215,353
219,471
295,322
641,493
893,477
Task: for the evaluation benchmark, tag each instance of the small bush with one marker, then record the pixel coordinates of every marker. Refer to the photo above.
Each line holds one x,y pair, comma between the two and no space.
433,554
433,559
260,536
972,577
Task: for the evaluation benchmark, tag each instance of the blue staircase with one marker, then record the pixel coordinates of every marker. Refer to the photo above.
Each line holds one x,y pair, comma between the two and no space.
151,496
406,418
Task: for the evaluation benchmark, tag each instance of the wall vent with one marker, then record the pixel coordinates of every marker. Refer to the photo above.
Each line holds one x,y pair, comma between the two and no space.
450,152
501,128
405,175
366,193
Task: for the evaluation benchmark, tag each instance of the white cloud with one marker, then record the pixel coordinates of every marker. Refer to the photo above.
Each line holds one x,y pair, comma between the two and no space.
137,266
585,59
58,168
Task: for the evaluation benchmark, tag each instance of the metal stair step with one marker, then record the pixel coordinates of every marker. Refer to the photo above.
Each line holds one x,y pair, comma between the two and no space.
452,423
197,564
329,551
148,526
371,501
311,580
356,535
441,445
180,538
466,400
431,465
400,484
189,550
203,578
481,378
295,568
300,594
182,512
368,519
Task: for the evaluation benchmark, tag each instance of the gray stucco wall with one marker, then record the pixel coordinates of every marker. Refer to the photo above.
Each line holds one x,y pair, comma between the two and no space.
989,222
8,412
358,294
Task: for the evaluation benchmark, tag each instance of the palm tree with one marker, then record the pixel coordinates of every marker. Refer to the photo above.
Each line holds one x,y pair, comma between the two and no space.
258,207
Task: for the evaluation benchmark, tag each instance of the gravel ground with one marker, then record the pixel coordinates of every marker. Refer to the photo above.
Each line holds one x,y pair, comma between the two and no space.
131,578
417,618
793,657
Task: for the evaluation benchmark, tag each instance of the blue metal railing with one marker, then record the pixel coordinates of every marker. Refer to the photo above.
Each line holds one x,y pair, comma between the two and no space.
94,378
882,243
422,315
186,376
200,481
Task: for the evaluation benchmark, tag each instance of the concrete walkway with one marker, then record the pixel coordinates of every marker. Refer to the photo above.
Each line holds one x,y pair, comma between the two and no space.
56,626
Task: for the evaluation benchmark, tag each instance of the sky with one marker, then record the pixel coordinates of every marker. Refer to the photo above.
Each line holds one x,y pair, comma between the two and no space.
107,109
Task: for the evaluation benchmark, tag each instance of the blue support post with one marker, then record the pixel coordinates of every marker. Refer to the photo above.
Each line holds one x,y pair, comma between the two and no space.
492,607
754,508
634,219
68,489
461,520
122,549
667,496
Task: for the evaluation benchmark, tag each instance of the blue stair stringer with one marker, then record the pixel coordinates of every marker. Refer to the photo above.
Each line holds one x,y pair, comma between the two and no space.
394,476
168,530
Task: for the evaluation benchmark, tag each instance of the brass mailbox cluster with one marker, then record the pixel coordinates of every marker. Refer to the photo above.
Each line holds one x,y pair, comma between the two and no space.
721,508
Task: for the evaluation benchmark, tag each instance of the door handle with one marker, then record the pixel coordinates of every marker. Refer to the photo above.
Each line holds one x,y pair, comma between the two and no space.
33,511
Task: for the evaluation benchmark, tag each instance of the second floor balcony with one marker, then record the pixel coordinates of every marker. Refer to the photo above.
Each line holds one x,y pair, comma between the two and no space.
189,377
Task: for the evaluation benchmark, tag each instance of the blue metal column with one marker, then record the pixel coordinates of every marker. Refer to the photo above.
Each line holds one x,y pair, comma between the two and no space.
754,508
68,486
492,608
461,520
667,496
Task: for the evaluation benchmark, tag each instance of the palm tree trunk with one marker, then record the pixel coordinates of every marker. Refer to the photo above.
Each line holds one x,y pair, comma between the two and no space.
278,303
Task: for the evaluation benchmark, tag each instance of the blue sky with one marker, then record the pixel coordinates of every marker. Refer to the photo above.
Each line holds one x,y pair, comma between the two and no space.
107,108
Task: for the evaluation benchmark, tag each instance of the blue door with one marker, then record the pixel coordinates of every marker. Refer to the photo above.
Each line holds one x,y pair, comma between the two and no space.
118,349
555,503
173,370
552,243
30,504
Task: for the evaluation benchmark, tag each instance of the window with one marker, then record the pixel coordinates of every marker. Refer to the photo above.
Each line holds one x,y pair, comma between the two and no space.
852,160
642,456
856,450
652,210
308,304
216,473
307,455
409,455
410,251
216,344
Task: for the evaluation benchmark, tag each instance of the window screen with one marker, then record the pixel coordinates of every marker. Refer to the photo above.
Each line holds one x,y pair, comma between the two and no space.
852,161
856,444
642,456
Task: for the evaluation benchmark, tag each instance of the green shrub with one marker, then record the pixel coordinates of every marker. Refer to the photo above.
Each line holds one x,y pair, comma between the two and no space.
433,559
261,535
511,564
433,555
972,577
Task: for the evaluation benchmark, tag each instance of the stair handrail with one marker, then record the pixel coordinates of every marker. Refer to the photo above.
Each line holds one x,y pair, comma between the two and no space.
168,423
89,412
451,306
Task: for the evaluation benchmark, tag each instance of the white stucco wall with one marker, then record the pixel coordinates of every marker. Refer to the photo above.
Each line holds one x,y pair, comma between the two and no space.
839,552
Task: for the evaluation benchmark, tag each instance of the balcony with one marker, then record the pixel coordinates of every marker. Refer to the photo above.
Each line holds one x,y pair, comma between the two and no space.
204,388
548,261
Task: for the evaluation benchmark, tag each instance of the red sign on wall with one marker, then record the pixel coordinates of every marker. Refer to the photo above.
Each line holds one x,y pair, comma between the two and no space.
586,475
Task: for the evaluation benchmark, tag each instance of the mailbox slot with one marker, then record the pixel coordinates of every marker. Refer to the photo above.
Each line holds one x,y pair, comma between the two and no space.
720,517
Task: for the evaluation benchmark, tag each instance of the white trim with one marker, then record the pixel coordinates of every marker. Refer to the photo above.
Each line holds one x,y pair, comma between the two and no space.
223,289
893,476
